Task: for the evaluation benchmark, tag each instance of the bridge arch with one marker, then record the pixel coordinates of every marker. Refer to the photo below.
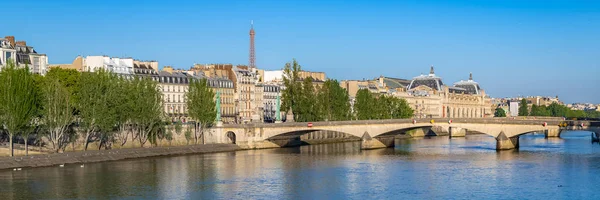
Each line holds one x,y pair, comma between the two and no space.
231,137
419,130
310,136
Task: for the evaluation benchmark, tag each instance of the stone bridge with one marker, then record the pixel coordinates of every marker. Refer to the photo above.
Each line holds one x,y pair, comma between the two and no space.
382,133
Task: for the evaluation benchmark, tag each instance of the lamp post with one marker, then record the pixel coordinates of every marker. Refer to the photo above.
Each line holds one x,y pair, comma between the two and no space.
218,108
277,110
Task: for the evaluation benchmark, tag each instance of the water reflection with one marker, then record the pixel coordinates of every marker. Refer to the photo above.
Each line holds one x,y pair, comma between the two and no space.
419,168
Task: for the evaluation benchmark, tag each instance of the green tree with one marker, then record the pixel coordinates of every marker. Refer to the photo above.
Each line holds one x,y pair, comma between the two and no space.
125,95
557,110
523,109
389,107
535,111
382,107
307,109
27,131
400,109
146,109
57,112
500,112
364,105
201,106
543,111
334,101
539,110
576,114
34,126
18,98
98,118
188,134
178,127
290,95
69,78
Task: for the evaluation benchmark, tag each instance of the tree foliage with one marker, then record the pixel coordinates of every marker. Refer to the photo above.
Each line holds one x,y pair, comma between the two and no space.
201,105
18,100
69,78
499,112
291,94
146,108
557,110
307,109
313,102
96,101
523,109
334,102
369,106
364,105
57,111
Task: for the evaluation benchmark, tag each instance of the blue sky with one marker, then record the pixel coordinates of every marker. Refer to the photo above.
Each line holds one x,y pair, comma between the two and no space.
538,47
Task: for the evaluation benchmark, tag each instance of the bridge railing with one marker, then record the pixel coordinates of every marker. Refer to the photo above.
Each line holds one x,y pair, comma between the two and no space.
550,121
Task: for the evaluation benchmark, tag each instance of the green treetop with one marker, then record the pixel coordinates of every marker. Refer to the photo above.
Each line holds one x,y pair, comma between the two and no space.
18,100
201,105
500,112
523,109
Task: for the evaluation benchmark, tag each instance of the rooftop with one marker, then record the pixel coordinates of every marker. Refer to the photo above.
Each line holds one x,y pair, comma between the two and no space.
431,80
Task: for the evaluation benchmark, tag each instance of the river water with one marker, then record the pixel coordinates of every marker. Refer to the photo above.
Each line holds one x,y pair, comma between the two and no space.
418,168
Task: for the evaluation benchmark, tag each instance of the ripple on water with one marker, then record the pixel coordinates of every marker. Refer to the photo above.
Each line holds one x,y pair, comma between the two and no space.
433,168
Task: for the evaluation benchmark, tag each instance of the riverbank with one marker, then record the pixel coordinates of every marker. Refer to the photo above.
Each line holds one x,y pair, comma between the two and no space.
45,160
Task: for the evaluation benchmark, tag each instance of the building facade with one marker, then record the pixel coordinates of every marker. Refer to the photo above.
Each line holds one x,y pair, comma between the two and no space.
120,66
174,87
258,114
429,97
22,55
226,92
270,93
246,81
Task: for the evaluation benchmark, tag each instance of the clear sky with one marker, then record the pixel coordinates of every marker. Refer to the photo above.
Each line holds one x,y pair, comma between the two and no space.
513,47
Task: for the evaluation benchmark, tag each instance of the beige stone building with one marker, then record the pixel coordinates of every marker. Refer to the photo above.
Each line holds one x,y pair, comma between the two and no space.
77,64
174,86
542,101
316,76
246,94
429,97
226,92
258,115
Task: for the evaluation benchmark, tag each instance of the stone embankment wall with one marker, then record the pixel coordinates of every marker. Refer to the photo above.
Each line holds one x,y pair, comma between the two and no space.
178,139
45,160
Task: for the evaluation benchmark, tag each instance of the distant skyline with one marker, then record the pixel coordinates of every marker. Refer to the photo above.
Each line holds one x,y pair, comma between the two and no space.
512,47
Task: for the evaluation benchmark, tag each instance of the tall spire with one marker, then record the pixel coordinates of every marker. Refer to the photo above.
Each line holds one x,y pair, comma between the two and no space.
252,57
431,71
470,76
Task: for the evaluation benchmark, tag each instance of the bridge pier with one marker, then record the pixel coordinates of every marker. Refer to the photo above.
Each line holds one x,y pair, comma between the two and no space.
418,132
369,142
506,143
438,131
552,133
457,132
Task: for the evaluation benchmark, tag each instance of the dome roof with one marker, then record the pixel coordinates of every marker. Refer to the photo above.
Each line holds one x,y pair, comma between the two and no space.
432,81
470,86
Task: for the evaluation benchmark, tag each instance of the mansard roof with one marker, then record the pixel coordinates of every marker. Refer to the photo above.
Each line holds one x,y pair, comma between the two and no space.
470,86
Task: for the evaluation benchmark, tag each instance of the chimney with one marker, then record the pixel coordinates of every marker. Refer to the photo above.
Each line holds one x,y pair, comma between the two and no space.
21,43
11,39
168,69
